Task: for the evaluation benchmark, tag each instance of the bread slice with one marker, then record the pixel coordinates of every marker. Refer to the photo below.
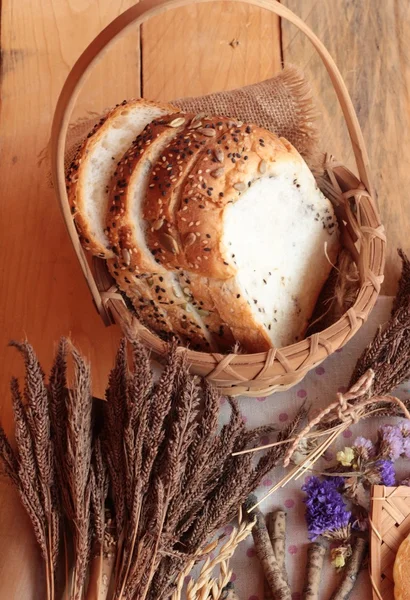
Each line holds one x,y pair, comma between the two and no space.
138,291
89,174
146,296
126,232
165,193
263,217
161,205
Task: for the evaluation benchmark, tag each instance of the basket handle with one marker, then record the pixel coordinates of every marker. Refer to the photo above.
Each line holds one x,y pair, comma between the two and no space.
137,15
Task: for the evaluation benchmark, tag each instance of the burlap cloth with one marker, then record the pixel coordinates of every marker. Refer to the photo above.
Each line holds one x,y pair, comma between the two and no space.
283,104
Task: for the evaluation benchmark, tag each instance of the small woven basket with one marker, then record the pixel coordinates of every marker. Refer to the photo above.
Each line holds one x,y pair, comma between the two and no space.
362,232
390,520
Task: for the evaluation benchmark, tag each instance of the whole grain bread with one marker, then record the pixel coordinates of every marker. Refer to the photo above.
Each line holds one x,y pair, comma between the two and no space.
216,230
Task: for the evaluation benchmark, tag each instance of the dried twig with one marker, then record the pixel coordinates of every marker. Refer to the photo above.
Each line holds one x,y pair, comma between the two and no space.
273,572
315,557
276,524
359,550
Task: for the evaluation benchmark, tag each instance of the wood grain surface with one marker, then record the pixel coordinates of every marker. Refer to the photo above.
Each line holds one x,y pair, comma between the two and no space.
189,51
370,42
206,48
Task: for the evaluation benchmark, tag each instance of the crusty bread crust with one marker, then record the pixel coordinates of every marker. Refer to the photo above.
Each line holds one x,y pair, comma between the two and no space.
75,182
197,288
401,571
162,311
123,235
138,291
249,153
166,185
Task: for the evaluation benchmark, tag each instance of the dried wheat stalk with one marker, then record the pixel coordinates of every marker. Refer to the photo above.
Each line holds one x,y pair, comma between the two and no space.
206,584
31,467
141,493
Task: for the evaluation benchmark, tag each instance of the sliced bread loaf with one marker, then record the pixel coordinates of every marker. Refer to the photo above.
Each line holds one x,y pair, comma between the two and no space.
90,173
126,232
264,217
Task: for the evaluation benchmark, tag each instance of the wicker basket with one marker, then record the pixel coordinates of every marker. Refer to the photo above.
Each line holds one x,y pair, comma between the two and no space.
390,514
362,231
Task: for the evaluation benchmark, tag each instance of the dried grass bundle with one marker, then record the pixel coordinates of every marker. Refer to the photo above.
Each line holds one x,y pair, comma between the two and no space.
137,491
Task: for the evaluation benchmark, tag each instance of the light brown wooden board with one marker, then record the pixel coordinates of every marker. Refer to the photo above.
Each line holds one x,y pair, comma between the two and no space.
370,42
43,294
207,48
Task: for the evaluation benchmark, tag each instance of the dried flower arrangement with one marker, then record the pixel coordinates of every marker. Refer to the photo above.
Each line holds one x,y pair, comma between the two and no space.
125,493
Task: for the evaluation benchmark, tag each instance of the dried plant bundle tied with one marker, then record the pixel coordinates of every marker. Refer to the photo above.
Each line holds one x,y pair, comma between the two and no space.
141,481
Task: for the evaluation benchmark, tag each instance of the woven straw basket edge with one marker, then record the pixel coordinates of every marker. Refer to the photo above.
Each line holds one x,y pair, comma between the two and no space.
362,231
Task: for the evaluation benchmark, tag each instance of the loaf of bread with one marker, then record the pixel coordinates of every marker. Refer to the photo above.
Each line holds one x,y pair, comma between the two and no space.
214,229
401,571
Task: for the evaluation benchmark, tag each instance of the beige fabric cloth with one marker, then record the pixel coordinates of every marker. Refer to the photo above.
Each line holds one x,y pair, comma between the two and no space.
283,104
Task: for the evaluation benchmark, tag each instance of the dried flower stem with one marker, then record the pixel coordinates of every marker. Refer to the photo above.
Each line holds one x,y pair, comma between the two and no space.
205,583
315,557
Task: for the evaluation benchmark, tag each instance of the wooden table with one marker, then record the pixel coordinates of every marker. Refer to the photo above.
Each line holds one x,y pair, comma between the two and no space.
189,51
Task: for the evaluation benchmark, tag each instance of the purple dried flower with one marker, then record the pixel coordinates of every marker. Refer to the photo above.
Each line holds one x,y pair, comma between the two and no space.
364,448
391,442
385,470
406,447
326,512
404,427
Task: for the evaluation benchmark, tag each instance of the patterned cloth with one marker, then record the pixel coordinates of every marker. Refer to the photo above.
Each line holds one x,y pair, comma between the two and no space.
318,388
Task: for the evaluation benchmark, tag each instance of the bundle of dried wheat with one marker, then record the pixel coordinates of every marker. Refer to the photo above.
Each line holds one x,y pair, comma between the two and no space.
134,486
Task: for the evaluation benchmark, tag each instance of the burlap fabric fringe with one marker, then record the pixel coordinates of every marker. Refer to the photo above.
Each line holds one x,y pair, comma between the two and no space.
283,104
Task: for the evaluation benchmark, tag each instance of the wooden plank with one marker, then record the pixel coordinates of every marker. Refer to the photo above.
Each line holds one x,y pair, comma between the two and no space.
370,42
205,48
43,294
42,289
